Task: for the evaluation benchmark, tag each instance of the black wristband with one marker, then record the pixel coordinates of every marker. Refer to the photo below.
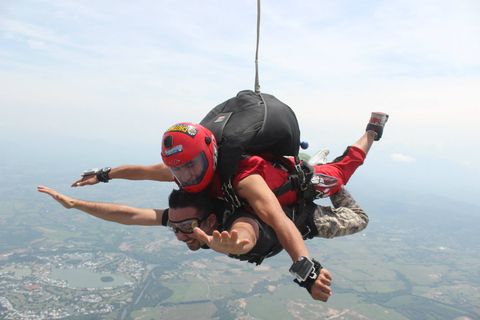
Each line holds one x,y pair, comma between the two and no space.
165,217
308,283
102,175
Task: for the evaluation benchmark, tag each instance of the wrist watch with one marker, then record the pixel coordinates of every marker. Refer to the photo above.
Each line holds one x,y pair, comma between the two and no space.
306,272
90,172
302,268
102,175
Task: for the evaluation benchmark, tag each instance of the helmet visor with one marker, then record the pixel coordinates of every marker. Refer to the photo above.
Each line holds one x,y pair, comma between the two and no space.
192,172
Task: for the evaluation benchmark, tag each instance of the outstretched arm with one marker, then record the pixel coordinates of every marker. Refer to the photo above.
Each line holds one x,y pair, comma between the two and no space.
256,191
157,172
240,239
109,211
347,217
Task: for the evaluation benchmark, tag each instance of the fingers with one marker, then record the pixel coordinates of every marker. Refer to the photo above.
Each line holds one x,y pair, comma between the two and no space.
86,180
50,192
223,237
326,274
229,238
76,183
202,235
223,242
216,236
232,238
63,200
320,291
46,190
321,288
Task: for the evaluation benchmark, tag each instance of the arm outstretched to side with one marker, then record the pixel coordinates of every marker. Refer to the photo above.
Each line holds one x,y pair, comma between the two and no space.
109,211
157,172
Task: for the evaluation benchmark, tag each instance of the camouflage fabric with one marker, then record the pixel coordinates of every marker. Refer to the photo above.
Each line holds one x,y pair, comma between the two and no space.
346,218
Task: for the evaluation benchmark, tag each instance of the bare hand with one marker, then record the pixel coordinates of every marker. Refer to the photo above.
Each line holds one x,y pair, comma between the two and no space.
63,200
224,242
321,288
86,180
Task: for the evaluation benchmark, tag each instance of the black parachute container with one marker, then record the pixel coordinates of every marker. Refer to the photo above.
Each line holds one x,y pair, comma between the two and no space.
252,123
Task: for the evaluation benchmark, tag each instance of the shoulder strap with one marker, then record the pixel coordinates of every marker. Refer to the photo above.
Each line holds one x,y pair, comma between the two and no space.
299,179
228,193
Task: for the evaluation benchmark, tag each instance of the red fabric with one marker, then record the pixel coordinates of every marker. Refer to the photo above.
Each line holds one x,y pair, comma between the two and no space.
342,170
275,177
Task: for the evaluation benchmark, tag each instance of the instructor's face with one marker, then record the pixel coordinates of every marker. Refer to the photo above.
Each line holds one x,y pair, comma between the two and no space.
192,172
182,221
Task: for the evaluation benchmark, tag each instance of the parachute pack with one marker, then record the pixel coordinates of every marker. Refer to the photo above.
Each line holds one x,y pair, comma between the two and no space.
254,123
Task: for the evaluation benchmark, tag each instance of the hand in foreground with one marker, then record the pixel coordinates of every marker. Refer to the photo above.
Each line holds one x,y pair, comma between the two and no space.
321,288
86,180
63,200
224,242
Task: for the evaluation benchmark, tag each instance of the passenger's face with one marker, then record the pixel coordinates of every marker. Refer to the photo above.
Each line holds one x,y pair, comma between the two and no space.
191,172
183,220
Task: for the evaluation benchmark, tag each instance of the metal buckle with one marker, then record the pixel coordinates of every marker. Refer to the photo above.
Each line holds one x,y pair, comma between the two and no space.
229,194
301,177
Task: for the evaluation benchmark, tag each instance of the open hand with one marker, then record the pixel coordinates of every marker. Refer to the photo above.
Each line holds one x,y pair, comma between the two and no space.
224,242
86,180
65,201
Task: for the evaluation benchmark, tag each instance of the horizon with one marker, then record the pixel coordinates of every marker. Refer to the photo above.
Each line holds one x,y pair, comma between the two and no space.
115,75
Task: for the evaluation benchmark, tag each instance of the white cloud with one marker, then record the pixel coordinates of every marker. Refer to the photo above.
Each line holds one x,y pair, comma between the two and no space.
36,44
157,62
469,164
402,158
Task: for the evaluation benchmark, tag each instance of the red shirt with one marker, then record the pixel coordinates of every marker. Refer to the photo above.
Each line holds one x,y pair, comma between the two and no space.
340,171
273,176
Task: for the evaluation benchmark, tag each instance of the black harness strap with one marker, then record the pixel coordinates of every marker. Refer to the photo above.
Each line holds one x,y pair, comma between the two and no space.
299,179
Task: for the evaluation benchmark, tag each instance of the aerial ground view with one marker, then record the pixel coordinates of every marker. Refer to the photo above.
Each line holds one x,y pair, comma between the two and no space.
63,264
96,84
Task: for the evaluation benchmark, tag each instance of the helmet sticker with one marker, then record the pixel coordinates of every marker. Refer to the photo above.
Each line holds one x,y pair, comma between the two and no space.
184,128
174,162
174,150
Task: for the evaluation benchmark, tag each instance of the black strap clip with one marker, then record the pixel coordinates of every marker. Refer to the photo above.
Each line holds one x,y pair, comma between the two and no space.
310,280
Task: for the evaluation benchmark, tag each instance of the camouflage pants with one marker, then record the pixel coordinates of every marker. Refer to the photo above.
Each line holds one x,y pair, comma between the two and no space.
347,217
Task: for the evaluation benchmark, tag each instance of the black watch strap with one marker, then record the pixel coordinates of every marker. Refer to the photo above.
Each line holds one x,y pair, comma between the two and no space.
308,283
102,175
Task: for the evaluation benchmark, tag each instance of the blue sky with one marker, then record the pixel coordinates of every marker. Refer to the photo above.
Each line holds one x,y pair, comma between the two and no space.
121,72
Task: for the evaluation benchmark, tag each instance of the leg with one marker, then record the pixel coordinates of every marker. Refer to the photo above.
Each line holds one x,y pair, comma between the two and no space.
347,217
343,167
366,141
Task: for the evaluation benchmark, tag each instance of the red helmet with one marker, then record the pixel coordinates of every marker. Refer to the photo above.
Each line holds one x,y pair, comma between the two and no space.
190,152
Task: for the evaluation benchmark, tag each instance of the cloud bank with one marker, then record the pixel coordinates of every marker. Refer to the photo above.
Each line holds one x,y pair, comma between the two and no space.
402,158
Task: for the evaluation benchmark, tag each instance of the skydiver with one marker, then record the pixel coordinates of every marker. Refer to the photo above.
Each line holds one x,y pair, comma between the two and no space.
191,162
196,220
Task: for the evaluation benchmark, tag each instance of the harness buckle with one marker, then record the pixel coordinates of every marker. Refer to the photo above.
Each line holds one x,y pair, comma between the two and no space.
306,233
229,194
301,177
